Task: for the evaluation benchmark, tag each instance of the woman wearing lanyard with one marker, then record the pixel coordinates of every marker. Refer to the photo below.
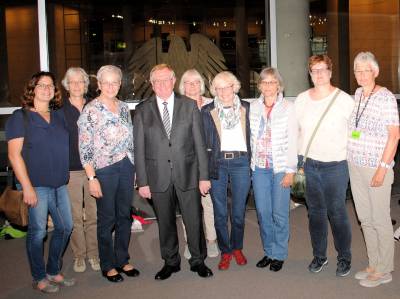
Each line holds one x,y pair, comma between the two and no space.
373,139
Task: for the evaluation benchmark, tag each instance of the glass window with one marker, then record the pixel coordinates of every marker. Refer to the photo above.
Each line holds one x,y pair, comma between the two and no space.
340,29
19,53
139,34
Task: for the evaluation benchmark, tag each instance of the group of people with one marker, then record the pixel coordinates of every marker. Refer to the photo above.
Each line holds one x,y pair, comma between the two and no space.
79,160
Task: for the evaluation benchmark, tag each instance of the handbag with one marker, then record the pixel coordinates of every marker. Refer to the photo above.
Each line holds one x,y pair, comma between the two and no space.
299,180
11,200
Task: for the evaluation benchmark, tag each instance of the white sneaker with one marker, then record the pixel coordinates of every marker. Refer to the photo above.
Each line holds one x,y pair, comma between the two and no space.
212,249
397,234
363,274
186,253
373,281
94,263
79,265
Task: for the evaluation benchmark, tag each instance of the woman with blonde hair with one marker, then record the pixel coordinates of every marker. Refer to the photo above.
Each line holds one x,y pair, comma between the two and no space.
192,85
227,133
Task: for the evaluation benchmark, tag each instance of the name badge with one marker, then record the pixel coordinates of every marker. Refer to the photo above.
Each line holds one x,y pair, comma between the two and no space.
355,134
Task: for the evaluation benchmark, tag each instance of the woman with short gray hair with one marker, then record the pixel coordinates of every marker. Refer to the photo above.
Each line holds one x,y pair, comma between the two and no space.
106,151
372,144
84,234
192,85
274,130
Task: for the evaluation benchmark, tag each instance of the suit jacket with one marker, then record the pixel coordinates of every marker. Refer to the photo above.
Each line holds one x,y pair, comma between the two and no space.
182,159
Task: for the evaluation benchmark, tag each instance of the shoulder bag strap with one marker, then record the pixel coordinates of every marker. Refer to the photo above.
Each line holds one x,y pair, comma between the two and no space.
317,126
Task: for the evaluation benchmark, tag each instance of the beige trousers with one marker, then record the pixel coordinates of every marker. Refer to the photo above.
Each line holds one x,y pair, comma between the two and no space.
208,216
84,233
373,210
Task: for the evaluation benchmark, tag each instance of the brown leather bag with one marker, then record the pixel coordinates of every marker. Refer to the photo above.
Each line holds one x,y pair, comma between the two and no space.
13,206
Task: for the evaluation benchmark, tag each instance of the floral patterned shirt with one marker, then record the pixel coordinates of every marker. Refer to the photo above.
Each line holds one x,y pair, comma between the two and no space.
105,137
380,112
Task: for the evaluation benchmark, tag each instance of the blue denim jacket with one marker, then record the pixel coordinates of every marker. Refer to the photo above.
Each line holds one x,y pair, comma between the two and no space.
212,140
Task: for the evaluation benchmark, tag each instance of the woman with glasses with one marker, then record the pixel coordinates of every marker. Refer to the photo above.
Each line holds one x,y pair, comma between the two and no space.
106,151
227,132
373,139
83,205
325,168
274,161
38,151
192,85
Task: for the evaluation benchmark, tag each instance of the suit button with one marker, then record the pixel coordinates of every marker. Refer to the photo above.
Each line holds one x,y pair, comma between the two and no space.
169,161
169,144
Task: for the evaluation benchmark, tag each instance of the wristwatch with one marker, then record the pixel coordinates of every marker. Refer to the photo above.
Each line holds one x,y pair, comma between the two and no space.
385,165
91,178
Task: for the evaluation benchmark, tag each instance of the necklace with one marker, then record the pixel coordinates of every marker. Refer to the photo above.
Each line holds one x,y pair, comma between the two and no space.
41,111
358,117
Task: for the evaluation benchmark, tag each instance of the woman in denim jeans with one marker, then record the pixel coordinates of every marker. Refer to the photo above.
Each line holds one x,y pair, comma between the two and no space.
38,151
106,151
227,132
326,167
274,130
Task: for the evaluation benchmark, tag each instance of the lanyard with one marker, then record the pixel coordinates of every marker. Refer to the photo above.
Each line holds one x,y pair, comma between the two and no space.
358,117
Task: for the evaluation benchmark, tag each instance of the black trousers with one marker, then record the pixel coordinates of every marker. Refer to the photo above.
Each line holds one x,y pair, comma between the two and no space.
190,206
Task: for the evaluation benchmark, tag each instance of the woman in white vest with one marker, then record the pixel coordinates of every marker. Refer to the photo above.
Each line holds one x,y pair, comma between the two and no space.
273,162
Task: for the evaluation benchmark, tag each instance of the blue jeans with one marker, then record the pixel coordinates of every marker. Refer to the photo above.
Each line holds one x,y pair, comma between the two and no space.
114,213
56,202
238,171
326,185
272,204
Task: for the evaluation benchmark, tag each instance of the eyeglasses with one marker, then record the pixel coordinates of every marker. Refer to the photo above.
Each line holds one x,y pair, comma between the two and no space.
318,71
76,82
268,83
161,81
112,84
192,83
359,72
225,88
45,86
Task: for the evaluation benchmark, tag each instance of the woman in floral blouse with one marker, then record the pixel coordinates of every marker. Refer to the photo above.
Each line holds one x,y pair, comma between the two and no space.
106,151
373,138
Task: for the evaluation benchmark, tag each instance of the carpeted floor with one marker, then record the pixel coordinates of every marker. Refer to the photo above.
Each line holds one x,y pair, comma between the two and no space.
293,281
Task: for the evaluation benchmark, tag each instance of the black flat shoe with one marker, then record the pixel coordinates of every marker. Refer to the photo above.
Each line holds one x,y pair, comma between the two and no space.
276,265
202,270
265,261
113,278
131,273
166,272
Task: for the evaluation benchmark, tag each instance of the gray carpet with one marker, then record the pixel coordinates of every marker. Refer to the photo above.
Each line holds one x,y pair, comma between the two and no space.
293,281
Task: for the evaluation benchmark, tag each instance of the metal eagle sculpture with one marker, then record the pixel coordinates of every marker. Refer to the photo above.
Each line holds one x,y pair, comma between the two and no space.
203,55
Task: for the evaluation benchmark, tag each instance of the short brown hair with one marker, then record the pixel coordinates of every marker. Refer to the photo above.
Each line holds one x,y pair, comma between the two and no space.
29,91
319,58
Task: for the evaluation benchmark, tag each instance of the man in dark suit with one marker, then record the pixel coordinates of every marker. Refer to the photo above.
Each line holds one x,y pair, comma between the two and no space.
171,163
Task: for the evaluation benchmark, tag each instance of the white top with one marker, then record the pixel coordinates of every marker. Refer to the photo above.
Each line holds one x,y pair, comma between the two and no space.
233,139
170,106
330,141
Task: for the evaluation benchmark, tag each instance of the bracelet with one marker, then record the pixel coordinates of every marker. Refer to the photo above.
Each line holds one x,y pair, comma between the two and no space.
385,165
91,178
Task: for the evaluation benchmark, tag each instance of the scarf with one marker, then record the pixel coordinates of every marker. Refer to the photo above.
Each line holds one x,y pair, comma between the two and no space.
229,117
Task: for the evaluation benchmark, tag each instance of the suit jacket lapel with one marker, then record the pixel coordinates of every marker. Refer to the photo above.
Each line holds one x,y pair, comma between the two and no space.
175,116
